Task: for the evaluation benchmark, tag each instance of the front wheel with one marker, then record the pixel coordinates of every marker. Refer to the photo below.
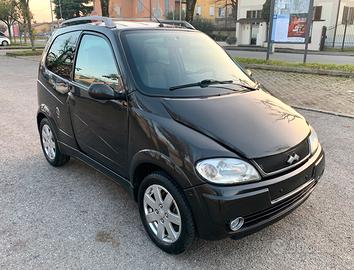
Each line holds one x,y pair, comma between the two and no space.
165,213
4,43
50,145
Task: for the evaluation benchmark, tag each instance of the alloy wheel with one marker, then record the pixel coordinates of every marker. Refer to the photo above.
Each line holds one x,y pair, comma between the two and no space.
48,142
162,213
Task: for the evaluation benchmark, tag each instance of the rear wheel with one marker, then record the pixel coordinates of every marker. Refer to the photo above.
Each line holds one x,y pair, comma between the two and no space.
4,43
165,213
50,145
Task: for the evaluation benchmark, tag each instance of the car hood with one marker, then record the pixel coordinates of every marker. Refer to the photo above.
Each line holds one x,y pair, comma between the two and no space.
254,124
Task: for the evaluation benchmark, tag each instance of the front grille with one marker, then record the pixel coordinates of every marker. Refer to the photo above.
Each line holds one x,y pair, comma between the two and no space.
274,163
279,207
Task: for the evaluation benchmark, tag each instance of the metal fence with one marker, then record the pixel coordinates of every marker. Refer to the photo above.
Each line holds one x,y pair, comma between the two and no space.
340,36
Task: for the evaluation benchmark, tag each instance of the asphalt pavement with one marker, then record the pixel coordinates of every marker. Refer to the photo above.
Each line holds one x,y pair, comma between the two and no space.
74,217
296,57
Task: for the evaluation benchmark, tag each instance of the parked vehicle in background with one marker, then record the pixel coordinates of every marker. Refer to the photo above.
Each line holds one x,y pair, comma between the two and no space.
4,40
164,111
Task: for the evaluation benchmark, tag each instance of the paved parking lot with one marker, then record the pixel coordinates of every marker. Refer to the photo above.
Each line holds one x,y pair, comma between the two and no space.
75,218
328,93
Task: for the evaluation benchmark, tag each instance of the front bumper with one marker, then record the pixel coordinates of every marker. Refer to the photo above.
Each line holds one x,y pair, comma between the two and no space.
260,203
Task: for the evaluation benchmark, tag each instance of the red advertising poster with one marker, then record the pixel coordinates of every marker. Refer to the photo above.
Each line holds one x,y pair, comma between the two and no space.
297,25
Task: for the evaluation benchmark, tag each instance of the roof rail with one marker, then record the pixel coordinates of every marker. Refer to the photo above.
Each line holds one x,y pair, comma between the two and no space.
184,24
88,19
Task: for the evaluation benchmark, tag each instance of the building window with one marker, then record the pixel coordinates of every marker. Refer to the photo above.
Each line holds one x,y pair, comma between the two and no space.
221,12
199,10
254,14
317,13
348,15
212,11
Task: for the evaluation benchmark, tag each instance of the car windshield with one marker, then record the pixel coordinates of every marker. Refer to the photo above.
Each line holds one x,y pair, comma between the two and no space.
167,59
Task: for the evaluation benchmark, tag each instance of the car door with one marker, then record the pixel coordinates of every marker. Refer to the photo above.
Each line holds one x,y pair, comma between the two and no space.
100,126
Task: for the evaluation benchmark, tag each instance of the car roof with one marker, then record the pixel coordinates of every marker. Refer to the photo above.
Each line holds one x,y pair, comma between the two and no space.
83,23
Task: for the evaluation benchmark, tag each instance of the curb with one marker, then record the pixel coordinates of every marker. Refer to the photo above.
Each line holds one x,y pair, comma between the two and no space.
20,47
246,49
335,73
323,111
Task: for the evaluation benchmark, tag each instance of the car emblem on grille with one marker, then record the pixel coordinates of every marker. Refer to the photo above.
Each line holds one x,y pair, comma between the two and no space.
293,158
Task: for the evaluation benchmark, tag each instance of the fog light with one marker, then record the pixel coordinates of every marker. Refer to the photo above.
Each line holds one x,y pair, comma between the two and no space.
237,223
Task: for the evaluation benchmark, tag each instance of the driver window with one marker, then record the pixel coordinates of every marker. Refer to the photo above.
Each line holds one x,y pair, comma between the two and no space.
95,63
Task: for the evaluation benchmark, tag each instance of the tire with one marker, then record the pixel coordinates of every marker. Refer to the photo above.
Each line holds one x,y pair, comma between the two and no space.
49,142
4,43
171,238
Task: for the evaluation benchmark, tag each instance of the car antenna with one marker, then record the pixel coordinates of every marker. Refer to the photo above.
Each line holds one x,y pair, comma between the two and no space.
160,23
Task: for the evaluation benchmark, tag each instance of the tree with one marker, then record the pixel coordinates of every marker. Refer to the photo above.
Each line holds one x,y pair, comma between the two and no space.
27,17
266,10
8,14
105,7
67,9
190,6
21,20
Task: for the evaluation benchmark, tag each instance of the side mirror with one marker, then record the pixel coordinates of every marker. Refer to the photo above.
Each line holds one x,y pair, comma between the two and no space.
103,91
249,72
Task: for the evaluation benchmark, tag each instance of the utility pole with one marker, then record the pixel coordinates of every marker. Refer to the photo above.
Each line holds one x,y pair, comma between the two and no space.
345,28
226,14
60,11
180,10
150,10
308,27
335,28
51,14
270,30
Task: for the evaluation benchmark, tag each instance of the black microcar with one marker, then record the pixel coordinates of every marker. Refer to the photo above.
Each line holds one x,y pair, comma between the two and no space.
164,111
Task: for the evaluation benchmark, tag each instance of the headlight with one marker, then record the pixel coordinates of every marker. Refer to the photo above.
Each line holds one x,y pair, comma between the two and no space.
313,141
227,171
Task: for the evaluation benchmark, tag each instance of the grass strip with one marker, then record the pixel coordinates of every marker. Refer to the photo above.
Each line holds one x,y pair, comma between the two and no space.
24,53
316,66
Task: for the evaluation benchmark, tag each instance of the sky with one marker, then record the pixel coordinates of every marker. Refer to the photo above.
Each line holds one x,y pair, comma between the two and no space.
40,10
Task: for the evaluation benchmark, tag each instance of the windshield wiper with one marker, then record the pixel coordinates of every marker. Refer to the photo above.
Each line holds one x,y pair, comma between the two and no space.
206,83
202,84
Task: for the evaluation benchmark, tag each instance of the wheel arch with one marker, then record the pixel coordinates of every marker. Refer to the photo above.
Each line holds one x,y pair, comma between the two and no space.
147,161
40,117
43,113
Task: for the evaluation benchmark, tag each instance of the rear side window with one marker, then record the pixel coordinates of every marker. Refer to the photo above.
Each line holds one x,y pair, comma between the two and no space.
95,62
60,57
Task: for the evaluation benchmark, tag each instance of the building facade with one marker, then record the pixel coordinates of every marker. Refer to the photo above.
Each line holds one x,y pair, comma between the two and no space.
212,9
137,8
208,9
251,29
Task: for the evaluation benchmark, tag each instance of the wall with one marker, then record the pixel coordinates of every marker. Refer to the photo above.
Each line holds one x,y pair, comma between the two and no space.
134,9
205,7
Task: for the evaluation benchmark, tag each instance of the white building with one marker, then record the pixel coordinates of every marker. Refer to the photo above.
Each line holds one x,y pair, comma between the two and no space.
251,29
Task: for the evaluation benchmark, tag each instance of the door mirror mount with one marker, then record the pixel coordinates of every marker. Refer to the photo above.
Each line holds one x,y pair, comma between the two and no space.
103,91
